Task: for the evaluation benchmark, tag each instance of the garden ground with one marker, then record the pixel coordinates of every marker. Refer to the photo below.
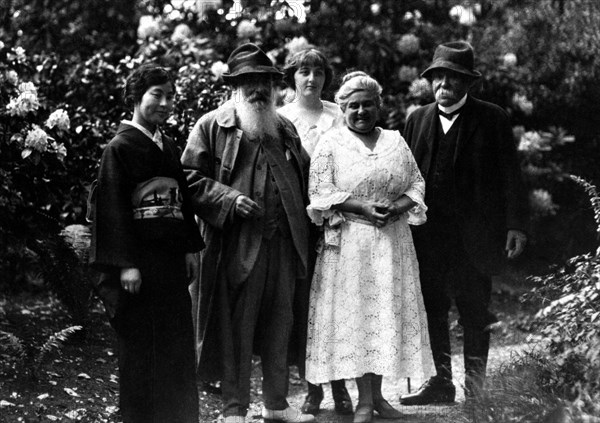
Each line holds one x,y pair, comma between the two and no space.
80,383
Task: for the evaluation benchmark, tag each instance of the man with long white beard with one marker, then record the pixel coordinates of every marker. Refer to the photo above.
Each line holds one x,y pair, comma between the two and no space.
247,175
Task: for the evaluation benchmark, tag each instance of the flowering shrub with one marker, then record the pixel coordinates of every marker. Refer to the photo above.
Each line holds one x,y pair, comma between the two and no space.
569,319
32,150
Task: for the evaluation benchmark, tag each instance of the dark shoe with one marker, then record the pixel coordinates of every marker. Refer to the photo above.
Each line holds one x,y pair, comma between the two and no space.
435,390
363,414
386,411
312,402
341,397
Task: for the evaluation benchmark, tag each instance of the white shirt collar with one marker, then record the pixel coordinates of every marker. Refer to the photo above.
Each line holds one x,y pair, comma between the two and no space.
455,106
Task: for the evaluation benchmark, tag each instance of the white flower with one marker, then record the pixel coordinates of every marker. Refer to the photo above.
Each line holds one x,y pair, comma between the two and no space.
1,45
36,139
60,119
408,16
272,54
408,44
247,29
541,203
12,77
408,73
149,27
20,52
532,141
464,15
522,103
218,69
297,44
181,33
26,102
420,88
375,9
509,60
59,149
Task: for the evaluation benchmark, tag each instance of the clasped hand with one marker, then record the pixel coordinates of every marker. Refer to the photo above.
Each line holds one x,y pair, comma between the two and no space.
379,212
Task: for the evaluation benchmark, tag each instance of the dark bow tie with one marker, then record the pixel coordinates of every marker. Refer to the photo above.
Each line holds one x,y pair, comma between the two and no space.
450,115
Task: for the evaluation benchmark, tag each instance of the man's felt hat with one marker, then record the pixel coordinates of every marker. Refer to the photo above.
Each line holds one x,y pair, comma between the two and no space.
456,56
249,58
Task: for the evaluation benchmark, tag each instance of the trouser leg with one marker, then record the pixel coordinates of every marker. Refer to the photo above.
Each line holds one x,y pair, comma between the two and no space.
476,347
434,253
275,321
473,295
439,338
242,303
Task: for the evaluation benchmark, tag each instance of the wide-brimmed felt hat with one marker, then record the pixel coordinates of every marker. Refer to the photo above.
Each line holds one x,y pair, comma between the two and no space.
249,58
456,56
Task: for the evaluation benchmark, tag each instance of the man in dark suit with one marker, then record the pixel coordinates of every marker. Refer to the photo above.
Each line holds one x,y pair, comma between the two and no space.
476,218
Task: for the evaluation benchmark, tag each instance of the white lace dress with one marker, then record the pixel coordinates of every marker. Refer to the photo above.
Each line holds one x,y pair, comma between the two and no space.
330,117
366,308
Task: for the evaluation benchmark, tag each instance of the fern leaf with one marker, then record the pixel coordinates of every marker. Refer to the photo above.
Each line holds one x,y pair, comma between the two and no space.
593,195
55,342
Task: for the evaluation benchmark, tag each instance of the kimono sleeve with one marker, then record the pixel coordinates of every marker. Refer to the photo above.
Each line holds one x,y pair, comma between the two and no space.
113,240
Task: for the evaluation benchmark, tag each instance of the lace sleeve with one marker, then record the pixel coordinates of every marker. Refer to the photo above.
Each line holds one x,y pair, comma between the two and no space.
416,188
322,190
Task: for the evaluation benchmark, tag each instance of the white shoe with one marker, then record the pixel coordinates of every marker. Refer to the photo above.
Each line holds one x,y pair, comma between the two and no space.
289,415
234,419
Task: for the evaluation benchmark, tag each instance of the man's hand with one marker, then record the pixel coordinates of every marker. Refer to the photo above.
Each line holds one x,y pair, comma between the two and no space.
515,243
246,208
131,280
191,266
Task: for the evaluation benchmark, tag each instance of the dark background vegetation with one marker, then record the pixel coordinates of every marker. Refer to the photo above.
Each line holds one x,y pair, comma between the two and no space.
539,61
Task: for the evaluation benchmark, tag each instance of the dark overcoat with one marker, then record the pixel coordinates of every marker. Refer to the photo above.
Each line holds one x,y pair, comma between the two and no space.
489,196
209,160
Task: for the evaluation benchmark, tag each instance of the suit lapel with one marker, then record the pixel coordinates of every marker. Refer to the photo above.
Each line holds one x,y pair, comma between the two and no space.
468,125
429,133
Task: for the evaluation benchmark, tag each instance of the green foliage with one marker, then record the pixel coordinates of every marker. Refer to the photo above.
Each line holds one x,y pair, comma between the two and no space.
530,388
569,319
31,357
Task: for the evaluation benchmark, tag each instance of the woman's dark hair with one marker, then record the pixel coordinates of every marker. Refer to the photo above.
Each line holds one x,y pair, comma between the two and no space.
144,77
308,57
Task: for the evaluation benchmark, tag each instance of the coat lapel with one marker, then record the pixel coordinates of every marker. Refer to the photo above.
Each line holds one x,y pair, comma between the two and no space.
468,125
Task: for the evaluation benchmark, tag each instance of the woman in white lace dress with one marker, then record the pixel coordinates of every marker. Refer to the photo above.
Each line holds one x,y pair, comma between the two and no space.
366,315
308,73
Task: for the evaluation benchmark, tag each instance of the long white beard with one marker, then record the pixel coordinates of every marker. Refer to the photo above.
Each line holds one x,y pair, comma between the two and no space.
257,119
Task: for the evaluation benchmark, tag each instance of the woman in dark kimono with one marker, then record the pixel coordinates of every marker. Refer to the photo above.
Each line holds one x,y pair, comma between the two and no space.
145,242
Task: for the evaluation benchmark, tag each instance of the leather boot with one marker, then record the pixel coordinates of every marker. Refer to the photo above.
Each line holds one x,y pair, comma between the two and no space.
438,389
364,409
381,405
312,402
476,347
341,397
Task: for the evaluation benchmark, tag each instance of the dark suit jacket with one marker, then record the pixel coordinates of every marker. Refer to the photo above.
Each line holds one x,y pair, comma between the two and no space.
489,195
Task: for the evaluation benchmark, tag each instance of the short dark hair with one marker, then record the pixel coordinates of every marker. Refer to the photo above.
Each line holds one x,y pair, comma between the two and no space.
308,57
144,77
